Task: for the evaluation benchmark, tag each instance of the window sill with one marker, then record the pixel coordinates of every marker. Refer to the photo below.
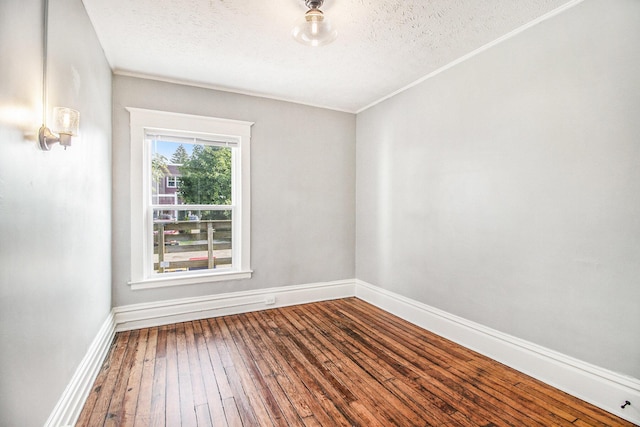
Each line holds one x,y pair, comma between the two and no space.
162,282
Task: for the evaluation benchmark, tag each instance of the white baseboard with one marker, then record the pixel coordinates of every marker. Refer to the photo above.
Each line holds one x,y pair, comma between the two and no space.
182,310
603,388
69,406
600,387
136,316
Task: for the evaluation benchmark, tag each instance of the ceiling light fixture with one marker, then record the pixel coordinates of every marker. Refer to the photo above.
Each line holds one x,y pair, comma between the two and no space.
314,29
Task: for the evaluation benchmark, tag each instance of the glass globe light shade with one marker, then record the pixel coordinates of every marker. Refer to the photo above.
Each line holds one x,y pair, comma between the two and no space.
66,121
314,29
66,124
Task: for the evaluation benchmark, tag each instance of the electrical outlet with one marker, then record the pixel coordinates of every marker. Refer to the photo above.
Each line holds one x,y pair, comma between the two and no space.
269,300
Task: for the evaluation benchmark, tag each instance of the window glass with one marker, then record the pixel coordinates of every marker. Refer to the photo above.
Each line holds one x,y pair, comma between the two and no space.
187,237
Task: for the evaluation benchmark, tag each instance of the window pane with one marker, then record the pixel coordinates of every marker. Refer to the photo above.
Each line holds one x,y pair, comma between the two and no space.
190,173
172,181
200,240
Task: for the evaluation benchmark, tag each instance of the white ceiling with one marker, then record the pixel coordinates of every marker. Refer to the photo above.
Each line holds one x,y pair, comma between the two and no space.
245,45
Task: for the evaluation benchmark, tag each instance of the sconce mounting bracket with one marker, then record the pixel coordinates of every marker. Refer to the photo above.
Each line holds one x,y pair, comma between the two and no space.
46,137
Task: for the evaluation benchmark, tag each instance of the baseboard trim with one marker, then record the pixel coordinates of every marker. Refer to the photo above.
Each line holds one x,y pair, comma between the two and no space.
186,309
600,387
69,406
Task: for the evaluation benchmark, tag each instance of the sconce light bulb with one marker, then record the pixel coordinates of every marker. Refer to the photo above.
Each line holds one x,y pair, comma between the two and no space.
66,120
66,125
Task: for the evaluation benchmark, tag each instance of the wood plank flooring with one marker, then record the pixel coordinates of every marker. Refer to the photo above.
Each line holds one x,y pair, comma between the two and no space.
333,363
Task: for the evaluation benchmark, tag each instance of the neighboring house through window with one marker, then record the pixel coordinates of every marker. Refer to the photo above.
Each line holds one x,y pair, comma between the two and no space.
190,220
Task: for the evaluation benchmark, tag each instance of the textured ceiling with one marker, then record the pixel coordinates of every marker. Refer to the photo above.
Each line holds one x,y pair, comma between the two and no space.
246,46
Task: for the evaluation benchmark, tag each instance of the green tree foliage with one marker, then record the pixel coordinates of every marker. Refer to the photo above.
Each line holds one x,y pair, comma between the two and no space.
180,156
159,169
206,178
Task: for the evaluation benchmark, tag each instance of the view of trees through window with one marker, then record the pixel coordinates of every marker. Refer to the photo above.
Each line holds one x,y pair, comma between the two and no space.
192,205
203,176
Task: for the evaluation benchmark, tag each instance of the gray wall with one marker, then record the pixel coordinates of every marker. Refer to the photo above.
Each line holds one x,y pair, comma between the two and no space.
302,187
55,244
506,190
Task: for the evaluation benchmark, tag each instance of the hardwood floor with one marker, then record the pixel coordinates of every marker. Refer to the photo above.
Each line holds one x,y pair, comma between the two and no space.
334,363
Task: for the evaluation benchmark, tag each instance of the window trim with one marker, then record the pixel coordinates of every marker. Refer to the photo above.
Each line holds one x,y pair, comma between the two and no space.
140,121
171,179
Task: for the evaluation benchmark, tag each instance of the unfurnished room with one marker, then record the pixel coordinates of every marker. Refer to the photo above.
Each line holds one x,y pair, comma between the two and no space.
319,213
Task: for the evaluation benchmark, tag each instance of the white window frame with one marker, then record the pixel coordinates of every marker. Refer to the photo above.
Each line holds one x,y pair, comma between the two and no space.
142,121
172,182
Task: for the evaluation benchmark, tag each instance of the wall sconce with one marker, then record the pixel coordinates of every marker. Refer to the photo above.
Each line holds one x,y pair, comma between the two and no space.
66,124
66,120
